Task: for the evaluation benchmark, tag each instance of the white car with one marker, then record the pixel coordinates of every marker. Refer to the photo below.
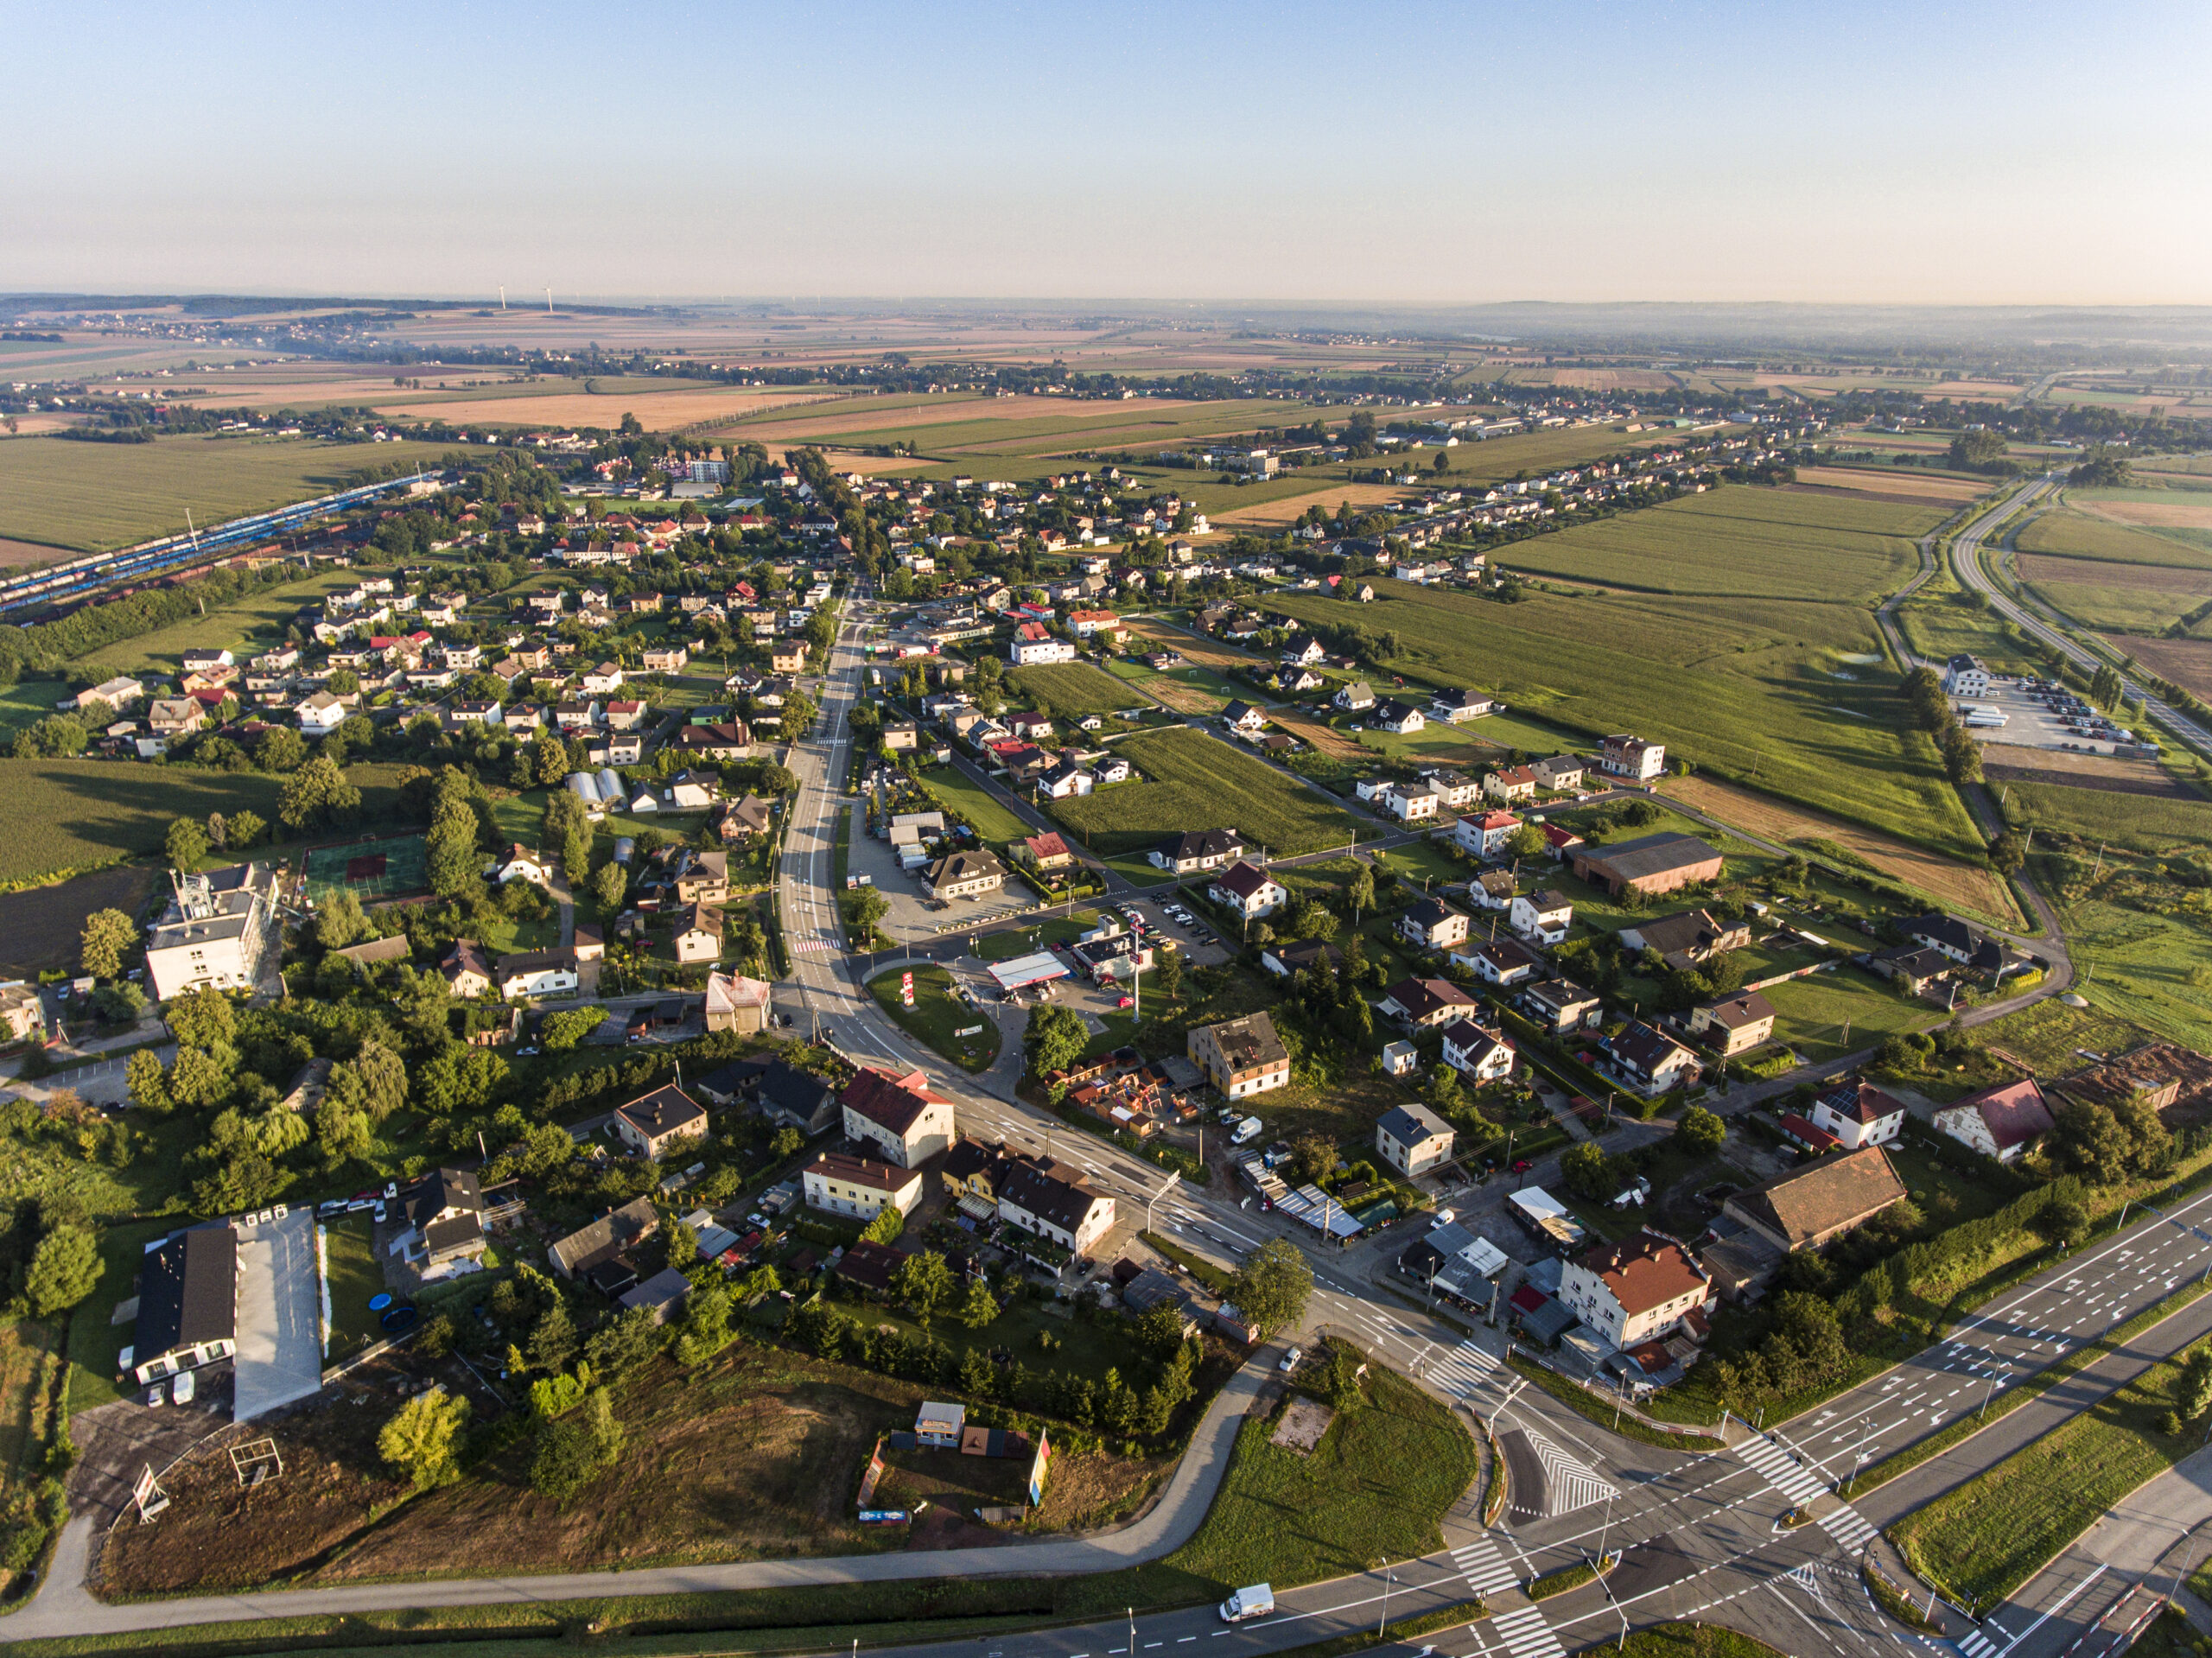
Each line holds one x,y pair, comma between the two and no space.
1290,1360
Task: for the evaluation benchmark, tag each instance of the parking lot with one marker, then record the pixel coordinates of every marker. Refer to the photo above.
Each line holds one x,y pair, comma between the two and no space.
911,920
2041,716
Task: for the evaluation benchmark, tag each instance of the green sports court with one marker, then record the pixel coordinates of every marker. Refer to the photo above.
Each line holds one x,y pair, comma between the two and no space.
371,869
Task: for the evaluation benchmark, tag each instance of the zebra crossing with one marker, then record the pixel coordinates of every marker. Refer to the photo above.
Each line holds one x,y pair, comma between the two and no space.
1526,1635
1571,1483
1463,1370
1483,1567
1779,1469
1975,1644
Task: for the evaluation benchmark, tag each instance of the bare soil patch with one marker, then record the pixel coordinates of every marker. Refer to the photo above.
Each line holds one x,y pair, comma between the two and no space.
1772,820
40,928
1192,647
1087,1490
15,553
2109,573
2187,663
1183,699
2009,763
871,466
2182,514
1899,484
1286,508
1303,1422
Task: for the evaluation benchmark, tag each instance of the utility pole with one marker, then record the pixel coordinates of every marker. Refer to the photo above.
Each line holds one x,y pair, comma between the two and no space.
1389,1578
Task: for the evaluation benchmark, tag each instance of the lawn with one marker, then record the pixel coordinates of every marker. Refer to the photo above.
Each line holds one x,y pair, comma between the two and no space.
1072,690
938,1016
355,1278
1193,782
953,791
245,627
94,497
1026,940
1842,1011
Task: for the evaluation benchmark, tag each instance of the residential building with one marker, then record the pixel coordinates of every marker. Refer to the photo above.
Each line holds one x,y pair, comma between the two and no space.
861,1187
1052,1200
1046,851
1806,1208
22,1016
666,659
1197,849
1459,707
1561,1006
175,716
1412,1138
1240,1057
466,969
1419,1003
602,681
1035,644
188,1302
1316,955
1543,916
1484,835
699,935
1965,676
1248,891
2001,1122
1631,757
218,931
1477,1051
1402,717
322,714
445,1211
116,695
1510,783
1859,1114
1687,938
593,1252
1244,717
1494,889
1635,1292
1431,924
1412,802
518,863
537,973
703,879
898,1115
735,1002
1560,773
963,874
1734,1024
1649,1061
1355,698
1502,962
1651,863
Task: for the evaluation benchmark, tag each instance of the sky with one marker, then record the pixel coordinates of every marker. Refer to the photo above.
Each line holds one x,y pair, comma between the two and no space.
1466,153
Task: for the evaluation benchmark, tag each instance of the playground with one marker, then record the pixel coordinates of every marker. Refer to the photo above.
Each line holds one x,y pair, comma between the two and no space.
372,869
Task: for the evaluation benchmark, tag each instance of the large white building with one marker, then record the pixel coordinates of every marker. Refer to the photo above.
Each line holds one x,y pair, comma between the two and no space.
1631,1293
220,928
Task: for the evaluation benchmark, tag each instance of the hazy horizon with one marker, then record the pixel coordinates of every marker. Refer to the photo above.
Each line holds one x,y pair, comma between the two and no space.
1270,156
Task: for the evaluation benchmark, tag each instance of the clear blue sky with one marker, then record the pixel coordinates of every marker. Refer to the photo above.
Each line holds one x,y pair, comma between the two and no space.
1815,151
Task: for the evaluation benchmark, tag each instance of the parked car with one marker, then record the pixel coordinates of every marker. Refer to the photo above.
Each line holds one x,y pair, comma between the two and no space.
1290,1360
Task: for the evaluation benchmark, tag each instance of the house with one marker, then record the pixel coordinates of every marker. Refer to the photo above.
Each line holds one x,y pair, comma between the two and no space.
897,1114
1181,855
788,1097
1113,769
115,695
446,1210
175,716
699,935
1632,758
1806,1208
665,660
1034,644
724,740
625,714
1649,1061
518,863
1543,916
1419,1003
1244,717
1913,967
738,821
1412,802
588,1250
971,1173
1484,835
663,1294
1560,773
602,681
1412,1138
1315,954
1651,863
1052,1200
940,1426
903,736
1067,780
322,714
1559,841
1734,1024
1247,890
1085,623
217,931
22,1016
536,973
704,879
2001,1122
690,790
787,657
466,970
1355,698
188,1302
860,1186
1455,789
1967,946
1687,938
1240,1057
1477,1051
1402,717
1400,1058
1635,1292
1502,962
1457,708
1494,889
1560,1006
735,1002
1510,783
1431,924
1046,851
1858,1115
963,874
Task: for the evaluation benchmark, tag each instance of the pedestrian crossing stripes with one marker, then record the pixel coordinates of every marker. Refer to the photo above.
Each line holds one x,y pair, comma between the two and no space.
1462,1370
1572,1484
1526,1635
1485,1570
1781,1470
805,944
1975,1644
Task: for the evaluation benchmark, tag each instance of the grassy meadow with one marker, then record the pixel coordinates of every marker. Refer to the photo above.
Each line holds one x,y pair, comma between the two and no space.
1072,689
1194,782
252,624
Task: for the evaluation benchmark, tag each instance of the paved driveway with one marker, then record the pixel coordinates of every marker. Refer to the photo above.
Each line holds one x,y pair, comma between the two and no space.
280,1300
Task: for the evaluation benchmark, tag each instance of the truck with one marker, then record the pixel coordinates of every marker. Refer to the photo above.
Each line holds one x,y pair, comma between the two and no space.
1256,1602
1248,1129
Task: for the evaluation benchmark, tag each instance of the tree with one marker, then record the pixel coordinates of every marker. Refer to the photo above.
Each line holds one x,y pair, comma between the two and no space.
865,908
1053,1039
705,1330
1360,894
203,1020
63,1270
553,1338
1586,1169
245,829
317,795
1167,971
1313,1158
148,1083
343,1133
609,886
569,1027
108,938
373,1082
281,751
1527,842
890,1221
186,844
570,1453
1700,1132
981,1306
451,865
1272,1287
419,1439
923,1282
2065,1221
623,1343
339,922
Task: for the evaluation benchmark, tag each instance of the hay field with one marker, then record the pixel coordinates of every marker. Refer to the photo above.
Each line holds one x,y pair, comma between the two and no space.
1956,884
1900,484
1761,543
1286,509
850,415
2176,511
1973,390
16,553
1317,736
2139,823
1197,782
97,497
2067,533
2116,598
2187,663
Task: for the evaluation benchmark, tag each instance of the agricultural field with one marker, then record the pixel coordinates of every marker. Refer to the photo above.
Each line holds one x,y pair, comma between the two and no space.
1938,625
1892,485
2187,663
40,926
254,623
96,497
661,405
59,815
1764,543
1072,688
2098,540
2117,598
955,790
1284,510
1794,698
2139,823
1194,782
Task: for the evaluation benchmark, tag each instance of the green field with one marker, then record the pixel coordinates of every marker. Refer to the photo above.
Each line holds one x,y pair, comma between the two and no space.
355,1277
249,625
73,814
1761,543
1194,782
2115,608
94,497
1939,627
2139,823
955,790
1834,1013
1072,689
937,1017
1795,698
2064,534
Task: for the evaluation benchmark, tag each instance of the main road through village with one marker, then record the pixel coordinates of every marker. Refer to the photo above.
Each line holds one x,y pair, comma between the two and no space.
1701,1534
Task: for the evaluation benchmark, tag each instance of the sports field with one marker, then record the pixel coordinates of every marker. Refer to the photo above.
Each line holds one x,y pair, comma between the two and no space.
372,869
1195,782
96,497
